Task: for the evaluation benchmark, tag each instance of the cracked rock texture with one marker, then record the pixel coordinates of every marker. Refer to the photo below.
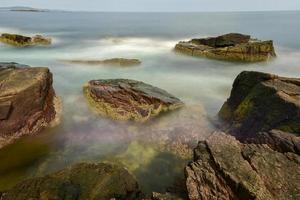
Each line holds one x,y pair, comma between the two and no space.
231,47
80,182
264,108
27,101
124,99
224,168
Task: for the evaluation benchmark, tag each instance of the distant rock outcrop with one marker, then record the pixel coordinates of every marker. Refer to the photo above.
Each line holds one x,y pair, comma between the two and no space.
124,99
232,47
224,168
113,61
24,41
27,101
80,182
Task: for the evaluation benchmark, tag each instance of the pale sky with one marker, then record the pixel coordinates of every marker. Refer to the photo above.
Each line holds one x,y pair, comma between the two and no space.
158,5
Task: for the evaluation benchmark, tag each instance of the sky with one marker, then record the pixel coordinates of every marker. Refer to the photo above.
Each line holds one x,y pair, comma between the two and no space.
158,5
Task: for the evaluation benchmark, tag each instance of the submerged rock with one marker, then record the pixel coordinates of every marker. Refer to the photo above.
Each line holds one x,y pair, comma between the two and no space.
223,168
27,101
79,182
113,61
232,47
124,99
261,102
23,41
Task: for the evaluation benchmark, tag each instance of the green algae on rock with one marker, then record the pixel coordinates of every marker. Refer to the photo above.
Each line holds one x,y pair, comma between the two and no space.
123,62
224,168
84,181
124,99
27,101
261,104
231,47
24,41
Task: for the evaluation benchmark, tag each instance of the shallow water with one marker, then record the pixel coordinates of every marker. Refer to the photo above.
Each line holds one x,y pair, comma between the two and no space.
157,151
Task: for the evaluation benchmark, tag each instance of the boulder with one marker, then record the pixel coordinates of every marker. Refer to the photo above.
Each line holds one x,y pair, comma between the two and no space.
124,99
224,168
113,61
27,101
231,47
82,181
260,103
24,41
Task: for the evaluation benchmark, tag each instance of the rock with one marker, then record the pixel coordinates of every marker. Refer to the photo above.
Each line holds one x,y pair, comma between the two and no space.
232,47
166,196
12,65
27,101
261,102
80,182
124,99
223,168
113,61
281,141
24,41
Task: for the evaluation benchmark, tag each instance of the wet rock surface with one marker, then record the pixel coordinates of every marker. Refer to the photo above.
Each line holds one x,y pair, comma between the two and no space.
124,99
80,182
224,168
27,101
113,61
24,41
264,108
232,47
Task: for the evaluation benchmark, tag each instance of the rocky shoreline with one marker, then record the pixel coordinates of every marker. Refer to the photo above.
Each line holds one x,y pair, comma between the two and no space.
254,154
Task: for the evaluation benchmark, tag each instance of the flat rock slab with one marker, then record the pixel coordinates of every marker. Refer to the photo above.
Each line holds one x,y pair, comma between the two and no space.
113,61
224,168
231,47
80,182
124,99
27,101
24,41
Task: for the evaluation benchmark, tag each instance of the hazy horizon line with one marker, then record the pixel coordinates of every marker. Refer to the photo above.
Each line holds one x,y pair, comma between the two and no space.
158,11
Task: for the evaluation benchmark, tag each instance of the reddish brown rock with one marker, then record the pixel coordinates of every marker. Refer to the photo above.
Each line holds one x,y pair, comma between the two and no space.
27,101
224,168
124,99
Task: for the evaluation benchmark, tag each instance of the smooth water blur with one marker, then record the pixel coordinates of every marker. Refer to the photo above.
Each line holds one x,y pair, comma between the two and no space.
155,152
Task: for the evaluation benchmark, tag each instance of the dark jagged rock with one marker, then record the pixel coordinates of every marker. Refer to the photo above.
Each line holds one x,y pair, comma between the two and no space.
223,168
79,182
232,47
261,102
124,99
27,101
113,61
24,41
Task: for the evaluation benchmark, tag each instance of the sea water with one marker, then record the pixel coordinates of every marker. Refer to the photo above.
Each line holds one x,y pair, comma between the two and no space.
154,152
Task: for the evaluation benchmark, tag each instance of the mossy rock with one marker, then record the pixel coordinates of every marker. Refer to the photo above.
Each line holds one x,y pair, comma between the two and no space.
230,47
124,99
23,41
261,102
85,181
